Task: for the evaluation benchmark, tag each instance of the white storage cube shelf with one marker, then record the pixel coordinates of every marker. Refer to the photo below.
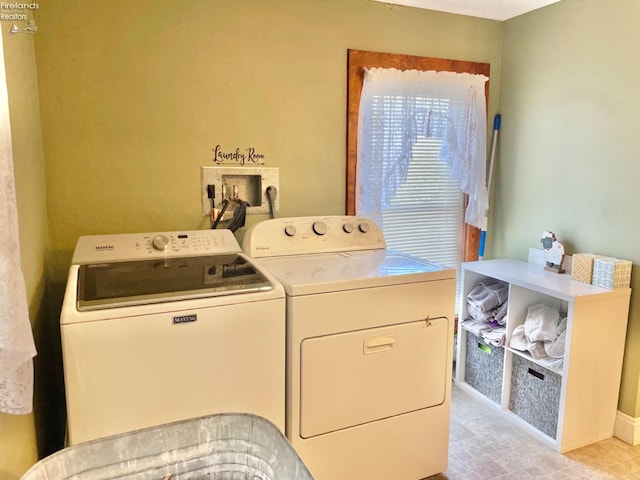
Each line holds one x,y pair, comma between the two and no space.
569,407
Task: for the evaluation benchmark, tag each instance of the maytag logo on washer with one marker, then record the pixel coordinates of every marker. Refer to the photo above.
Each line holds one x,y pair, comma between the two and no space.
185,319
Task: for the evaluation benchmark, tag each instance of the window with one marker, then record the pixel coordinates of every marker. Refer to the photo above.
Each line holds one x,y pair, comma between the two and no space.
421,213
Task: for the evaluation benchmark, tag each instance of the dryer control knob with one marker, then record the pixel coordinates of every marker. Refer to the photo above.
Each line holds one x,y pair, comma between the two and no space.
160,242
363,227
319,228
347,227
289,230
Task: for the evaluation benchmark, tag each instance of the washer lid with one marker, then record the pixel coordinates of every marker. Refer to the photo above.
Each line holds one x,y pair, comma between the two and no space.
330,272
108,285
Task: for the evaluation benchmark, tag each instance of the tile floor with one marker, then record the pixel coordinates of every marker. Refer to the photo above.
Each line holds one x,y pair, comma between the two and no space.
485,445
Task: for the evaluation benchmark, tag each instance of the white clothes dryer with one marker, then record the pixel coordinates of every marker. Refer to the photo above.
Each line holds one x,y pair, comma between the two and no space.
369,348
161,327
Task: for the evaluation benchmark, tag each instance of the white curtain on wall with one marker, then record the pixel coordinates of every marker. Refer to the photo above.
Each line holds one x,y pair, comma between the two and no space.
16,340
395,107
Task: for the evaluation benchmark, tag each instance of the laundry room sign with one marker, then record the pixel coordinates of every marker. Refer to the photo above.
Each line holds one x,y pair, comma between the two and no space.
240,156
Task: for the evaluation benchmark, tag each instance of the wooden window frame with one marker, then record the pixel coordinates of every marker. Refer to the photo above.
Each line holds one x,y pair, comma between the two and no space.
358,60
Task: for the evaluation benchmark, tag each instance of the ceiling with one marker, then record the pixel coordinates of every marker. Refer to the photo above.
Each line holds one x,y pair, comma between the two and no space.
493,9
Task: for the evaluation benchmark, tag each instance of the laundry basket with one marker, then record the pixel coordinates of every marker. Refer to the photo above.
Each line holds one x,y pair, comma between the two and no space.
217,447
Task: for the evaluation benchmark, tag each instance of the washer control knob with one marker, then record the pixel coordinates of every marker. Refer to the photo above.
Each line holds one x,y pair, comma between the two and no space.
289,230
363,227
319,228
160,242
347,227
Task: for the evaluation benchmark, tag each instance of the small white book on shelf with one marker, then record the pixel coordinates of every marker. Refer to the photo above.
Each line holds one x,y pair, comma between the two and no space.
536,256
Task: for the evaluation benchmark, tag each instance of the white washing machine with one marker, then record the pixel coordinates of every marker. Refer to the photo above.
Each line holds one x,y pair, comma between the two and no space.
166,326
369,348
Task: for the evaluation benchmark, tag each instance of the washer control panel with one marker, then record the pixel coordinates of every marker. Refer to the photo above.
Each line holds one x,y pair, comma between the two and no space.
140,246
300,235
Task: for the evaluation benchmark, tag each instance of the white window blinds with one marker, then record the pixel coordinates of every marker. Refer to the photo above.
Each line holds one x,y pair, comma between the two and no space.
424,218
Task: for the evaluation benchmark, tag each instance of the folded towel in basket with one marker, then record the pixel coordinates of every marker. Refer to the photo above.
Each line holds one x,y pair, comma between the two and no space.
479,315
477,327
495,336
486,297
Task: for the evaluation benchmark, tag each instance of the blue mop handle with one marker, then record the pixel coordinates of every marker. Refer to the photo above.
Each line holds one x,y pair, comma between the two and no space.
496,128
483,236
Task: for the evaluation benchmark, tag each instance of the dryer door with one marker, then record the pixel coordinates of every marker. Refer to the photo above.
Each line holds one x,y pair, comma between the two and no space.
353,378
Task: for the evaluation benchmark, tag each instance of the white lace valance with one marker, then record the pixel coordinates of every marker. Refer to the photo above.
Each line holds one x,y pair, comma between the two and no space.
396,106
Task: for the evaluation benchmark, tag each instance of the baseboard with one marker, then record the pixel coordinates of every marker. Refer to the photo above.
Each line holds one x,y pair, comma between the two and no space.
627,429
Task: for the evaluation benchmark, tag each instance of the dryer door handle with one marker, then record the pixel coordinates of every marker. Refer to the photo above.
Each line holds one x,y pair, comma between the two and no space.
380,344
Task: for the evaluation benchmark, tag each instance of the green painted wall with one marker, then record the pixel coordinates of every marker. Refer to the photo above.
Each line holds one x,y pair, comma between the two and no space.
136,94
569,142
18,445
